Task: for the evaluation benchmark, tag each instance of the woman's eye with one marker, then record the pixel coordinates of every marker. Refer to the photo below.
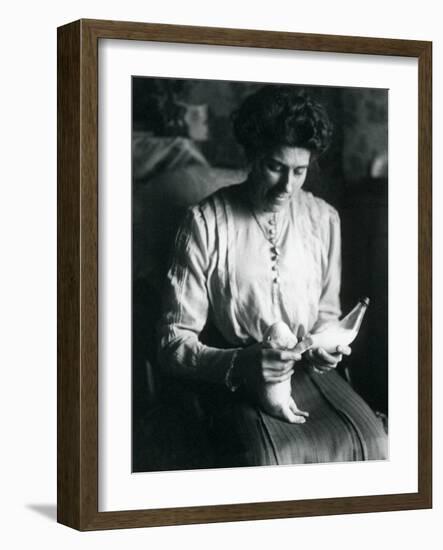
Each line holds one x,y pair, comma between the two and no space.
274,167
299,171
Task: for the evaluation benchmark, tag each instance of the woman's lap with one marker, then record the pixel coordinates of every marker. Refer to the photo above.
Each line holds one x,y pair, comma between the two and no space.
341,427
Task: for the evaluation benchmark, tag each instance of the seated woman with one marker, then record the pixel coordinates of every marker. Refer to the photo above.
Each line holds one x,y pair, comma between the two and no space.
251,255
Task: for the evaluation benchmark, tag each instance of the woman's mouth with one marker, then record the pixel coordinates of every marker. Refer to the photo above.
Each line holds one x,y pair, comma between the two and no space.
278,201
281,198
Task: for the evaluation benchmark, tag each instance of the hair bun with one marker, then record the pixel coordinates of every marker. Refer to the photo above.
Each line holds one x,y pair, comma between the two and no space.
281,115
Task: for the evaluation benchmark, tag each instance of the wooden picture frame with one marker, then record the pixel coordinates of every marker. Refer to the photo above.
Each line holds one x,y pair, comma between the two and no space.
78,274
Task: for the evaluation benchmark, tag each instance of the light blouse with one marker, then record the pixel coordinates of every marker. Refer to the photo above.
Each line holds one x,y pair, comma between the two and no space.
225,270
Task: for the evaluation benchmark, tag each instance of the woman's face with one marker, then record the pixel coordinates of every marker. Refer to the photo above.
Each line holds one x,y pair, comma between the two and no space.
276,177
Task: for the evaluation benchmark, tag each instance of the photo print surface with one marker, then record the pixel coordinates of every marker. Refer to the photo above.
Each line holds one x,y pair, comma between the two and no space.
259,274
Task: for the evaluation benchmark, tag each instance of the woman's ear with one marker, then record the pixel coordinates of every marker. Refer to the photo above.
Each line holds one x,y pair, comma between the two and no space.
250,166
255,164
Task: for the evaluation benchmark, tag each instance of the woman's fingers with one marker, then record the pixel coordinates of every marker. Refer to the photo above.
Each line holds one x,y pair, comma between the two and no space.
281,355
319,357
279,368
344,350
278,363
289,355
274,378
329,358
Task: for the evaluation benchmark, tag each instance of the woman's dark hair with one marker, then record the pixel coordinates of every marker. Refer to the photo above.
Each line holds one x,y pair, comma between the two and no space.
281,115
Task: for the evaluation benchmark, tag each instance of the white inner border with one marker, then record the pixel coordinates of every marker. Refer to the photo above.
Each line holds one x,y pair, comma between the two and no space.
119,489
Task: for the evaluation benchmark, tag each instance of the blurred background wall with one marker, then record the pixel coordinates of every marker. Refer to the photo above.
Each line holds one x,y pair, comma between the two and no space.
360,117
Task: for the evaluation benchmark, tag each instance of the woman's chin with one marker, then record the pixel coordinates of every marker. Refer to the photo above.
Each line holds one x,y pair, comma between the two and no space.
277,205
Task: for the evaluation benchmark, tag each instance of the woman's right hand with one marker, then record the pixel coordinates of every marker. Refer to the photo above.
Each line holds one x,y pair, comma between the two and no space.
257,364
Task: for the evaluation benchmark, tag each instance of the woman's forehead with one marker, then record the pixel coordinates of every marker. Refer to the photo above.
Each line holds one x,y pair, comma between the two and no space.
290,156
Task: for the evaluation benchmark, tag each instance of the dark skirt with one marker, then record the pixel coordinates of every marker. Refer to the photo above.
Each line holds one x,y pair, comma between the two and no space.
341,427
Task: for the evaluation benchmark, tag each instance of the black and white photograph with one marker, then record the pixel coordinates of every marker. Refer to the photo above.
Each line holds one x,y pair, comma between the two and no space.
220,288
259,274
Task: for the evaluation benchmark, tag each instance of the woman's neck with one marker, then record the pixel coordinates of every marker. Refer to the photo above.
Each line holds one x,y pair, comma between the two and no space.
257,209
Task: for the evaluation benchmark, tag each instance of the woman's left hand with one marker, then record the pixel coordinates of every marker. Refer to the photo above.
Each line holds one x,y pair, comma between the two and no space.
322,361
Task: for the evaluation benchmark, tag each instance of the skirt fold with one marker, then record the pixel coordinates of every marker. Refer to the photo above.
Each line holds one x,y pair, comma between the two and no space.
341,427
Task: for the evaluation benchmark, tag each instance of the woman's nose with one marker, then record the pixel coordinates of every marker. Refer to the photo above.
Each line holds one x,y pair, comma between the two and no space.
288,182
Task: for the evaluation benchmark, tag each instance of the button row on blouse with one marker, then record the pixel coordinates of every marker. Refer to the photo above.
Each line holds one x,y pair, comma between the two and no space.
275,253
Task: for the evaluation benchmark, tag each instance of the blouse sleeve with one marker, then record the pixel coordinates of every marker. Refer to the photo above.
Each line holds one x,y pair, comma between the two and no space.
186,307
329,305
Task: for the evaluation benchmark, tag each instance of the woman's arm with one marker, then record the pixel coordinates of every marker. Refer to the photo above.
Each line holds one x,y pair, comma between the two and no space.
185,312
329,309
329,305
186,307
